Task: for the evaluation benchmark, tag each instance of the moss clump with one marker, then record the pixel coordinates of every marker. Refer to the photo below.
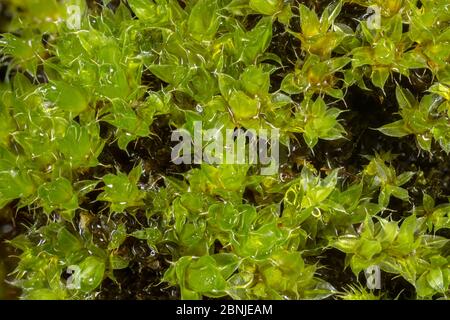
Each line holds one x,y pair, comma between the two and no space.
94,207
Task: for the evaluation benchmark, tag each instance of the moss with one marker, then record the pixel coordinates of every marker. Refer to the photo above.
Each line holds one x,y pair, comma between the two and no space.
95,208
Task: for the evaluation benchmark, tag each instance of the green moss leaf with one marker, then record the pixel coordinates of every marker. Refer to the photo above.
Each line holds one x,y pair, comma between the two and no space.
267,7
243,106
